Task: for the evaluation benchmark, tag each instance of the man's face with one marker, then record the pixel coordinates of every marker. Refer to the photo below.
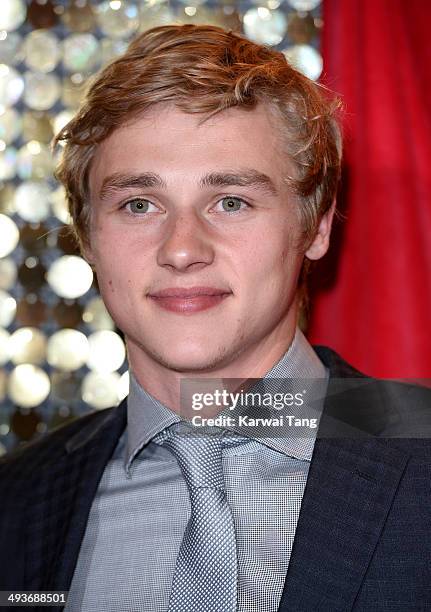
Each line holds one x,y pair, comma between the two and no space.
178,205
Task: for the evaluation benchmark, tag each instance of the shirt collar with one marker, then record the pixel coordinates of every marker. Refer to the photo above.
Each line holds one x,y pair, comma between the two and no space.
146,416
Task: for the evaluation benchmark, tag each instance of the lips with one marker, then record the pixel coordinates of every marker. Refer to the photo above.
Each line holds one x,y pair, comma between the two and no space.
189,299
188,292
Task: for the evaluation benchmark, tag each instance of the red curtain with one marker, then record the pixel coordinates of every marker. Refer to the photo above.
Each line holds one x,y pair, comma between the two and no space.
371,298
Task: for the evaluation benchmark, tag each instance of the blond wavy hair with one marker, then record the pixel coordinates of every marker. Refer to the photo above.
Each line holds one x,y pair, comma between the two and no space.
205,70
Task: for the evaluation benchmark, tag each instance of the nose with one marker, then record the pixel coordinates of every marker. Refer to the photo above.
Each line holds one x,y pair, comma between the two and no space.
186,244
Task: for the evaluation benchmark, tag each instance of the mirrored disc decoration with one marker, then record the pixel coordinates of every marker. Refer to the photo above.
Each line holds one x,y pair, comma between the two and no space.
31,310
7,308
59,205
65,386
42,50
80,53
25,423
67,350
10,48
11,85
101,390
7,199
73,90
67,313
79,16
27,345
4,427
12,14
61,416
228,18
34,161
153,15
37,126
123,386
107,351
194,13
70,276
41,90
8,273
42,14
8,159
117,18
32,201
269,4
96,316
61,119
305,59
28,385
31,274
264,26
10,125
33,237
4,347
110,49
9,235
301,28
304,5
193,3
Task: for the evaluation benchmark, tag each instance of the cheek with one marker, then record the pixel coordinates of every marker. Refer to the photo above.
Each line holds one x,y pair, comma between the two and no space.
113,251
114,270
273,269
269,254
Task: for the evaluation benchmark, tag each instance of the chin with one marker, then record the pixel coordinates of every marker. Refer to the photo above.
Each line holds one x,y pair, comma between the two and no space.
192,363
188,359
182,353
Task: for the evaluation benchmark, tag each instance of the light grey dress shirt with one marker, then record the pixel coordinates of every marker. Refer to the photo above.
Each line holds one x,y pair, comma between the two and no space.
139,514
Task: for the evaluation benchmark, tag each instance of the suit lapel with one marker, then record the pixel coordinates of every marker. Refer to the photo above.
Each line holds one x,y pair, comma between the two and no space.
66,490
350,488
351,484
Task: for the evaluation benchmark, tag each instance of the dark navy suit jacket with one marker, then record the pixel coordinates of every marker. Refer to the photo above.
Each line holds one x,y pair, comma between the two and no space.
363,539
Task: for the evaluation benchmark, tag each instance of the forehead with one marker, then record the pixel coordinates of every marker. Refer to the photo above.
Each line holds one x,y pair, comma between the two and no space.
169,141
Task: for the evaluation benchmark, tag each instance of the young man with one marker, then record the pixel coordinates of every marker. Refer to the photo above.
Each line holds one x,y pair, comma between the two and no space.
201,174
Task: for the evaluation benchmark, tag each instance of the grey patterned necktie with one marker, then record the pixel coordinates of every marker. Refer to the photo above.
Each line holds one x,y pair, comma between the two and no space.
205,578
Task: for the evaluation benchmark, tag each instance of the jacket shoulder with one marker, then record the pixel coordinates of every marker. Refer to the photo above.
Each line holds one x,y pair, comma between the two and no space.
33,456
397,410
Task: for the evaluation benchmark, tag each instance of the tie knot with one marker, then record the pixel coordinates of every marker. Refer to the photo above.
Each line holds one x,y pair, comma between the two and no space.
198,453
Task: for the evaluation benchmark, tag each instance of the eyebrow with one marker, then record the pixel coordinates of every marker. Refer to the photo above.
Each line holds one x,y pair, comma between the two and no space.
244,178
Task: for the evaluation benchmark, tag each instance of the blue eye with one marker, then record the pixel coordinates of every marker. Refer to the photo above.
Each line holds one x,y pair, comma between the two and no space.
232,204
138,205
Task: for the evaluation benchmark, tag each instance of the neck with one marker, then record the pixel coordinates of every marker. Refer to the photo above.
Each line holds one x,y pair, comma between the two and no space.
253,362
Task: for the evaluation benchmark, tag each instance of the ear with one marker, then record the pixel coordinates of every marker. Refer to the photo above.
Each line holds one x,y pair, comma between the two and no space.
320,244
